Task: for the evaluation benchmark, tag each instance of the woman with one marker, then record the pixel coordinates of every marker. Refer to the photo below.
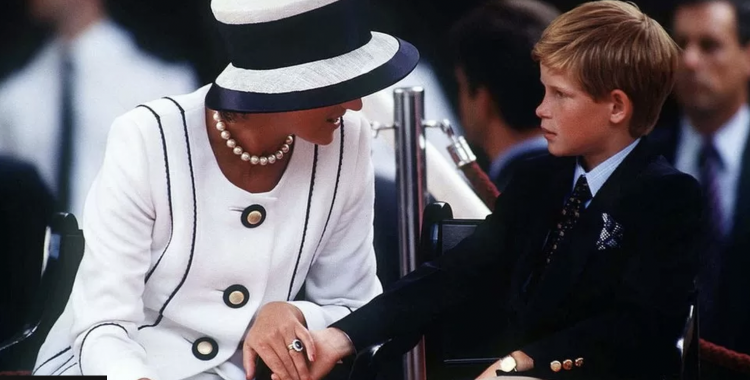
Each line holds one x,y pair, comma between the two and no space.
212,209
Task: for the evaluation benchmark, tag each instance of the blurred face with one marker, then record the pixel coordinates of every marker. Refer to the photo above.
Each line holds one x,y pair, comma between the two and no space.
573,123
714,67
316,125
49,10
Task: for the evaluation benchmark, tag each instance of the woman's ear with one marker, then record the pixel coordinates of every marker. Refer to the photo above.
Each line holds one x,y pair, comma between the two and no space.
621,107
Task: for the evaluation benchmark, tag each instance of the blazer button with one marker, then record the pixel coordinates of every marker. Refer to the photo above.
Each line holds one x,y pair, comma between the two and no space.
579,362
555,366
205,348
236,296
567,364
253,216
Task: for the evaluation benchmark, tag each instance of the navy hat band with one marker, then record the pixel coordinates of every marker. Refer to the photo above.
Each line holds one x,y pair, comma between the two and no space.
399,66
325,32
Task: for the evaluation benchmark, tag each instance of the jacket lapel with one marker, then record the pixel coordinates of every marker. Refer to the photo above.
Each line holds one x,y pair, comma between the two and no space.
544,203
570,258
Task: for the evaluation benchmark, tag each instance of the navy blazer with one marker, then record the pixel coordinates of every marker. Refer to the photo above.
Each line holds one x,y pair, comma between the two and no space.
620,309
733,303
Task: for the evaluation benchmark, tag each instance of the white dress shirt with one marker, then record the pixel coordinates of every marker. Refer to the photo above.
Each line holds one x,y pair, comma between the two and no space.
111,77
499,162
601,173
730,141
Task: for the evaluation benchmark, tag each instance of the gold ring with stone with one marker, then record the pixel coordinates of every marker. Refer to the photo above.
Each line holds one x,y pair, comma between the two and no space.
296,345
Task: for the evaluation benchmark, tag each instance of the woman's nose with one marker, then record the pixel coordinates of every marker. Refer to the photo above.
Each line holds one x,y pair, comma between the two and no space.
354,105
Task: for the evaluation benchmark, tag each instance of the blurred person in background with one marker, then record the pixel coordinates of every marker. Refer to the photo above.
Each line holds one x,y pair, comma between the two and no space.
710,142
498,82
55,111
25,208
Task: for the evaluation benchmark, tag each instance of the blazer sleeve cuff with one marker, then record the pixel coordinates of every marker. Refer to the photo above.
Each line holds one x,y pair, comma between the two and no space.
109,351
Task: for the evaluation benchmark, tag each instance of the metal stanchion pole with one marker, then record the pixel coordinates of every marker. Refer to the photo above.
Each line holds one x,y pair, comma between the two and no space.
411,181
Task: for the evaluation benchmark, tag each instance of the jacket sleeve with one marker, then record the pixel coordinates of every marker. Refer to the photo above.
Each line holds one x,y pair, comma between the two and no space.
652,299
343,276
106,297
475,268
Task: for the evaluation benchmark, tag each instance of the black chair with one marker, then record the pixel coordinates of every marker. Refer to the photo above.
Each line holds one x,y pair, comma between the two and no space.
452,347
63,251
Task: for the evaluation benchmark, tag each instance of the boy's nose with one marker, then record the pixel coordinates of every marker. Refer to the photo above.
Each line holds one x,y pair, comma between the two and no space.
541,110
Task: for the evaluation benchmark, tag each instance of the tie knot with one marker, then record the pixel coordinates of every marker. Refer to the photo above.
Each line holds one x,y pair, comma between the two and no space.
581,191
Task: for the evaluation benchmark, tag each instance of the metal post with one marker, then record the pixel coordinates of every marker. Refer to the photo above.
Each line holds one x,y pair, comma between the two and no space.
411,181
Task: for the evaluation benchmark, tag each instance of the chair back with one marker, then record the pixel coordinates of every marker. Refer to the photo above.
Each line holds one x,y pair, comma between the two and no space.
458,345
64,245
688,344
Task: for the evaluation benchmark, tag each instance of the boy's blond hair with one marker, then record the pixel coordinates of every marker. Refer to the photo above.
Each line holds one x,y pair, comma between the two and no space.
610,45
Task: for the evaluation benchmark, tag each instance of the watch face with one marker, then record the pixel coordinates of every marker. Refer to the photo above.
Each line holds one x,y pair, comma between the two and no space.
508,364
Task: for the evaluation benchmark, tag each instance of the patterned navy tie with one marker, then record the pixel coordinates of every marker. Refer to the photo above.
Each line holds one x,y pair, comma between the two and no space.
709,163
568,218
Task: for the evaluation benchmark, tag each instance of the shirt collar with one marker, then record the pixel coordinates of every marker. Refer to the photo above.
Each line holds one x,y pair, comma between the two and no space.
497,165
599,175
729,139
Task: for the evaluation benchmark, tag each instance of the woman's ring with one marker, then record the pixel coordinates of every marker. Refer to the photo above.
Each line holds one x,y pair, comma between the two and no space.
296,345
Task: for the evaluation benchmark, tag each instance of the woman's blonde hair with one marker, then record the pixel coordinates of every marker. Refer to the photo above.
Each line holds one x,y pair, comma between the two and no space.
608,45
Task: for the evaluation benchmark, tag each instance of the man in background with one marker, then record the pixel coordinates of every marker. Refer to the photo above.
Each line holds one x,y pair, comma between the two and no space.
498,82
56,111
25,210
710,142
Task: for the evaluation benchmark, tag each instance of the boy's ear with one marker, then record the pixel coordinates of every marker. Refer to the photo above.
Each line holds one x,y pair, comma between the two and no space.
621,107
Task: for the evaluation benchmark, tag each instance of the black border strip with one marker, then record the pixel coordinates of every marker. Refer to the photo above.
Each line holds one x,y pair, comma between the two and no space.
169,190
195,217
50,359
335,192
80,351
307,219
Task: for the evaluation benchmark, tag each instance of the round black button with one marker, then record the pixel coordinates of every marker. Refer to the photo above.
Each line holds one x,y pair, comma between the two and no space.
236,296
253,216
205,348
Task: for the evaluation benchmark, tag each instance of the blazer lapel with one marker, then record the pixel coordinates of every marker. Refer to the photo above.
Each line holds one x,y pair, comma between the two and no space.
570,258
545,202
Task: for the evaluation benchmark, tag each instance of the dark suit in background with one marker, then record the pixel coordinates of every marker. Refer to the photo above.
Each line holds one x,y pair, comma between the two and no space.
711,90
602,306
732,313
25,209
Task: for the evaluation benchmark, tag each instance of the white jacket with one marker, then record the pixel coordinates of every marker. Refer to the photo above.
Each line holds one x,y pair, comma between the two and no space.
169,264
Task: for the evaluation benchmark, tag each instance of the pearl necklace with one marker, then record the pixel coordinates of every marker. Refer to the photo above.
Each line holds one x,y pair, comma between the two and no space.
245,156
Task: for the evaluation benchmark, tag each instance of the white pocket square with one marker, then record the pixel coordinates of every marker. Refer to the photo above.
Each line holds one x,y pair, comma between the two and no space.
611,234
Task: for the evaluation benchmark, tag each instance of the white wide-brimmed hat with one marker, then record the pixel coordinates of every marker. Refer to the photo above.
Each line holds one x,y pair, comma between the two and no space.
289,55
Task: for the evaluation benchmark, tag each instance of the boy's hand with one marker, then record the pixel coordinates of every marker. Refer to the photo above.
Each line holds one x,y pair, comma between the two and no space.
523,363
332,345
276,326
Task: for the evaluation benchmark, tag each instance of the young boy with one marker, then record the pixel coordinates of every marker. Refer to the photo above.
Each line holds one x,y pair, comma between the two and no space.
590,250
